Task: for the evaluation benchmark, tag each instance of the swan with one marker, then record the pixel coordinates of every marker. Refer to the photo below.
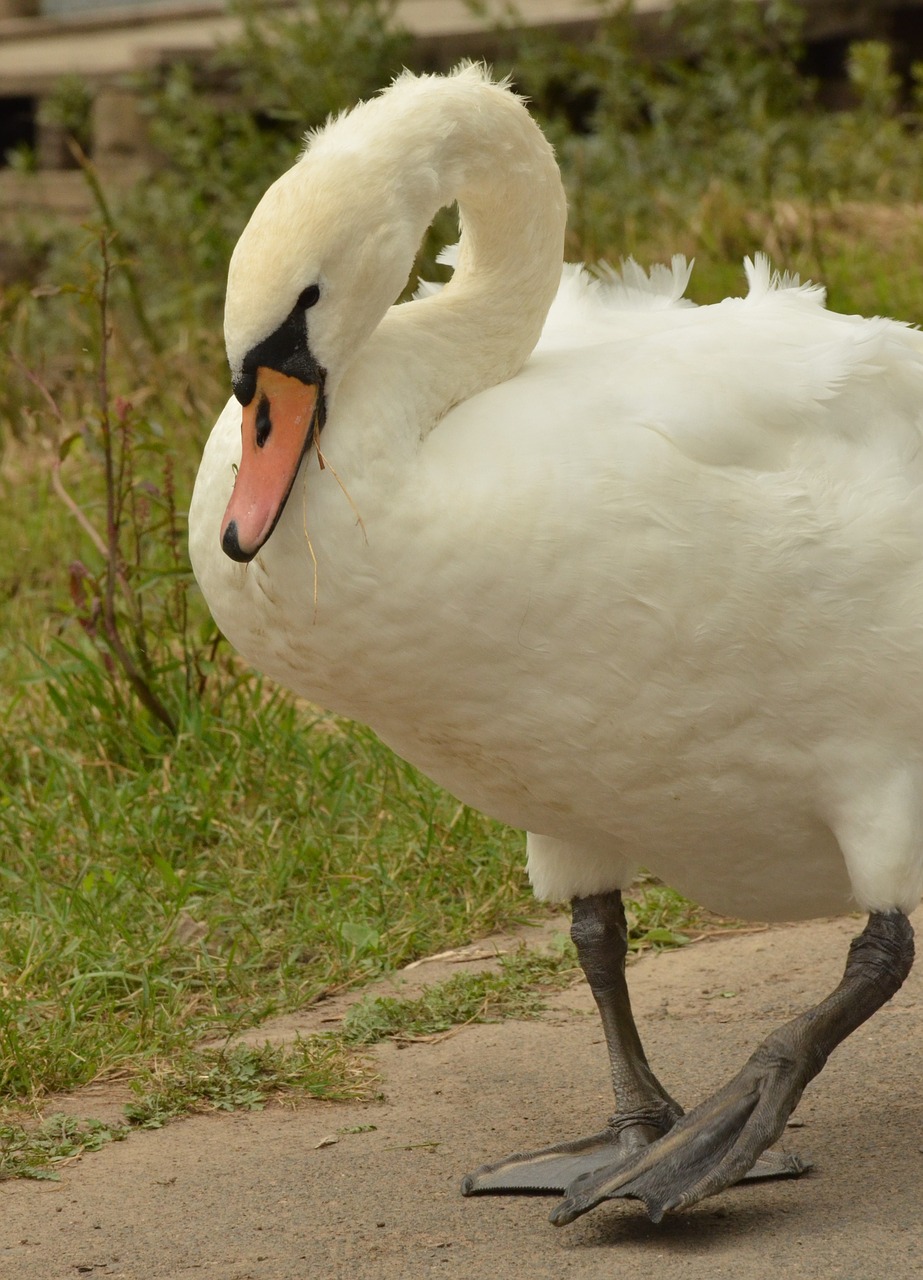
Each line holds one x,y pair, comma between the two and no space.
642,578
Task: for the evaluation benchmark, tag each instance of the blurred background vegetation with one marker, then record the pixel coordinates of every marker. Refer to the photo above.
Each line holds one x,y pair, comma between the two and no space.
185,849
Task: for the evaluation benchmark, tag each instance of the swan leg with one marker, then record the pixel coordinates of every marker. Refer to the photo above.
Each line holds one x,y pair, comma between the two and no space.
722,1140
645,1109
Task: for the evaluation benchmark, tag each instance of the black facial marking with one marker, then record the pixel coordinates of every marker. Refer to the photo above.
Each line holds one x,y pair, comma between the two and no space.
286,350
263,422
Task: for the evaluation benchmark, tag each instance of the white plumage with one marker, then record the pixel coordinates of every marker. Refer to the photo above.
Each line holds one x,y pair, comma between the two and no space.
642,578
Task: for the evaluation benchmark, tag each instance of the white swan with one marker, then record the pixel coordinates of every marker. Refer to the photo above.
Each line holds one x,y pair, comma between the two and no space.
642,578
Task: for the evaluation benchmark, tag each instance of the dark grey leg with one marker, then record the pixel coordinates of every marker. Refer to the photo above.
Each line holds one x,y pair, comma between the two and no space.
645,1109
717,1144
600,933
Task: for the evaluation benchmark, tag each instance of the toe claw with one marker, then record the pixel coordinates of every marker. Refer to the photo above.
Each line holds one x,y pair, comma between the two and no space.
778,1164
567,1211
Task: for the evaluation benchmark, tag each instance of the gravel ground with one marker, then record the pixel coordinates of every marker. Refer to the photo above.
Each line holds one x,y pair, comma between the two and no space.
262,1196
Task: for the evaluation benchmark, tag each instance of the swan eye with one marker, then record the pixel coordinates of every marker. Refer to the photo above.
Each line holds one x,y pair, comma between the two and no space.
308,297
263,422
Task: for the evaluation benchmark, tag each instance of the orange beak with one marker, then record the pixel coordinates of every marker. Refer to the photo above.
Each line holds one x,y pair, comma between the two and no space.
277,427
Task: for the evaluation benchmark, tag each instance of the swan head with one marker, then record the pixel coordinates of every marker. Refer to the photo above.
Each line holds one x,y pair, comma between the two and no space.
332,243
324,254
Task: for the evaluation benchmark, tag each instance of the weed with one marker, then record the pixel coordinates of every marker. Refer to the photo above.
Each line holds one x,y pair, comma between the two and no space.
242,1077
34,1151
514,991
245,1078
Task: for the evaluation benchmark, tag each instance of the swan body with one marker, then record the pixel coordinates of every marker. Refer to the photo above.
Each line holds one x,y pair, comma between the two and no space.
642,578
657,598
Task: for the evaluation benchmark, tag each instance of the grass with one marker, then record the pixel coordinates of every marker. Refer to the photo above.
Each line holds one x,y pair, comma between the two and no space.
331,1066
38,1151
253,868
515,990
245,1078
241,1078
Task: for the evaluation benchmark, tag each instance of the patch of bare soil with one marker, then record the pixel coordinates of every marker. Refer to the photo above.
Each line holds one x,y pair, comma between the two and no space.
370,1191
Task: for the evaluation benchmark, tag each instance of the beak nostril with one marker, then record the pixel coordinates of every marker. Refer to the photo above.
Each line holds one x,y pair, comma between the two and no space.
263,422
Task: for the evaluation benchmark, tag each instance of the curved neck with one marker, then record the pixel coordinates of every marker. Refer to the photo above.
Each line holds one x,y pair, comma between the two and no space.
472,142
348,220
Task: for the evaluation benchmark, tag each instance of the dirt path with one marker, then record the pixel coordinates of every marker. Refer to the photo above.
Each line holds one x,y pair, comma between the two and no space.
257,1197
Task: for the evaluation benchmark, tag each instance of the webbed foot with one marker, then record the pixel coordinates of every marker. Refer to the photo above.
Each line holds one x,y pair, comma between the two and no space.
724,1138
554,1169
650,1151
719,1143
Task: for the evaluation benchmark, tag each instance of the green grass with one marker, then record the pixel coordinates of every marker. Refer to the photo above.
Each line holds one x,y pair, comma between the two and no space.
36,1151
263,860
240,1078
330,1066
515,990
245,1078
